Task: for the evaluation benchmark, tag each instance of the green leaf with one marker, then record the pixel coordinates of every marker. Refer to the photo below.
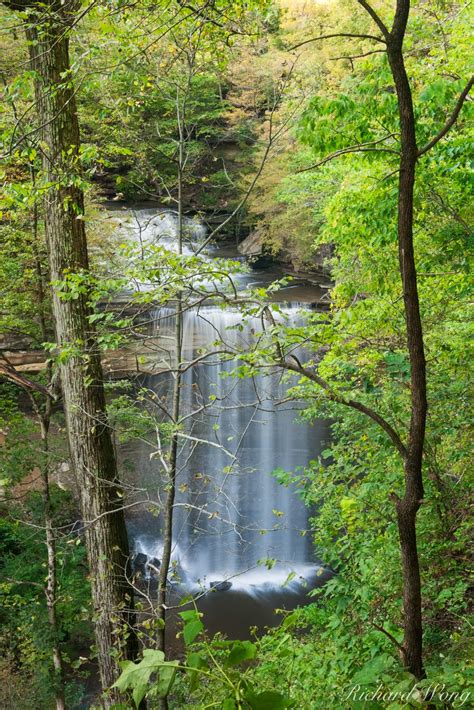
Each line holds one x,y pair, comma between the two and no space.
195,661
241,651
373,669
135,676
189,614
167,674
269,700
140,688
191,630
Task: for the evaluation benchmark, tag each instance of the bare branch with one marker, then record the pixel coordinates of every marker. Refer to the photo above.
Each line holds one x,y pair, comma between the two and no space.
375,18
296,366
336,34
8,371
451,120
390,636
359,148
182,435
357,56
353,404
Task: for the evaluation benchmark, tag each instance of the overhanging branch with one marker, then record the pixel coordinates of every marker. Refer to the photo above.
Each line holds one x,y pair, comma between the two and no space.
451,120
368,147
353,404
350,57
295,366
10,373
374,38
389,636
375,17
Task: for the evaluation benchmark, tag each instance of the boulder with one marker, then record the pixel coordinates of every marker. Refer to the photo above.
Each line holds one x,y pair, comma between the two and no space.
221,586
251,245
253,248
154,565
139,562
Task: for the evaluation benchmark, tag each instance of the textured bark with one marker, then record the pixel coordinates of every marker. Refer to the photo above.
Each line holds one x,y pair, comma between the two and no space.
51,582
90,441
408,506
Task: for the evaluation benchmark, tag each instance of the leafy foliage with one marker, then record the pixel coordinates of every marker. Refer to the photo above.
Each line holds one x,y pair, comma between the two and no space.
224,666
131,95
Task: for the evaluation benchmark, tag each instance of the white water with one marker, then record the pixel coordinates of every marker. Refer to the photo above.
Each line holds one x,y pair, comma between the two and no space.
158,227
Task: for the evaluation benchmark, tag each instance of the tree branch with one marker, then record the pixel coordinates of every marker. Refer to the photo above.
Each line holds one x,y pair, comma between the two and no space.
390,636
336,34
8,371
375,18
353,404
360,148
24,581
357,56
451,120
296,366
400,22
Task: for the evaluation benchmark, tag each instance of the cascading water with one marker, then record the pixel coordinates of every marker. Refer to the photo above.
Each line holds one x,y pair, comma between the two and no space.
235,527
153,226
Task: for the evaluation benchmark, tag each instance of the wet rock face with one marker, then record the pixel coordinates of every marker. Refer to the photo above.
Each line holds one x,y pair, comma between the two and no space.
221,586
252,245
139,562
144,564
153,564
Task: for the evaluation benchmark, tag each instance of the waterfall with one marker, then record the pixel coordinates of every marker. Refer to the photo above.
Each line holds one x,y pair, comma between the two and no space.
231,513
233,521
153,227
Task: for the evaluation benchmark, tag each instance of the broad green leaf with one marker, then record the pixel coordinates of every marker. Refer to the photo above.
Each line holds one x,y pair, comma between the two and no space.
195,661
191,630
136,676
269,700
241,651
167,674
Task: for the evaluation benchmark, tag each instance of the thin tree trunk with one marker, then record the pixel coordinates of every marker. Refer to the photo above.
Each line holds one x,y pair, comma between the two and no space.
175,410
51,585
408,506
90,442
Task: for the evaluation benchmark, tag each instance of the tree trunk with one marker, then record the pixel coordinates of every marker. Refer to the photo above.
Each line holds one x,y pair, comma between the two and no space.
90,441
51,586
175,412
408,506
